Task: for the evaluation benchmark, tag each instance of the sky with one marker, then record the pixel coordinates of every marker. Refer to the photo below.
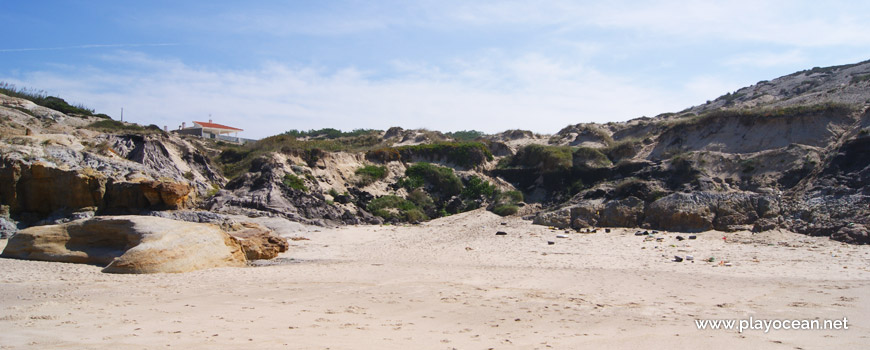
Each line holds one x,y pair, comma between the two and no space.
271,66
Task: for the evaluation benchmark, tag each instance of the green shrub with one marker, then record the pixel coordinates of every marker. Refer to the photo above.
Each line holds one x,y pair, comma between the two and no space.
475,188
463,154
465,135
441,178
505,209
392,207
41,98
422,200
294,182
546,158
370,173
509,197
115,126
590,157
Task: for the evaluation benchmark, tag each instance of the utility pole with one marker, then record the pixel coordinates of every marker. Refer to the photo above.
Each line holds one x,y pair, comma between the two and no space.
122,113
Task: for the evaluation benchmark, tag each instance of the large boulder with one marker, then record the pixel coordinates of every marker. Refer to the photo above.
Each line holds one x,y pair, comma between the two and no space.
626,212
558,218
259,242
129,244
853,233
684,212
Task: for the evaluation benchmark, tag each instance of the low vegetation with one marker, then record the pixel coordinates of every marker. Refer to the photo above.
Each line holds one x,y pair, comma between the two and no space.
750,115
294,182
506,203
330,133
590,157
545,158
235,160
114,126
392,207
465,135
440,179
462,154
42,98
368,174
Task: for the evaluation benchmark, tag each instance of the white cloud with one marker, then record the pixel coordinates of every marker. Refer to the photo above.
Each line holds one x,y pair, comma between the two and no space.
533,92
784,22
767,59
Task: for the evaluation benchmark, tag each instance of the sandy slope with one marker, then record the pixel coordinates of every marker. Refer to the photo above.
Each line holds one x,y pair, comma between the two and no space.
452,283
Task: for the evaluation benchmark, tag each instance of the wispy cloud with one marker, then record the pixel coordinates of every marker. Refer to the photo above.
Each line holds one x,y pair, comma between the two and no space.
91,46
767,59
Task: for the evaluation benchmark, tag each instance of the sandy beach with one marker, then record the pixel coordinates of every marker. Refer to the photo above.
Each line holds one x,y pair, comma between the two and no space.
452,283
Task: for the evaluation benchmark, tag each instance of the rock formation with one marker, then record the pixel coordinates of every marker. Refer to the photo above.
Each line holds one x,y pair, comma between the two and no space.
143,244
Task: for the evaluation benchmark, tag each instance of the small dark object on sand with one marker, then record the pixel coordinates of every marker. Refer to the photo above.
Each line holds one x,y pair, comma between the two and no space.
501,233
638,233
693,237
677,259
550,242
607,230
680,238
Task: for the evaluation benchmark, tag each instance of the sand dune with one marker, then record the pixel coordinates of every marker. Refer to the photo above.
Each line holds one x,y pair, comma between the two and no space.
452,283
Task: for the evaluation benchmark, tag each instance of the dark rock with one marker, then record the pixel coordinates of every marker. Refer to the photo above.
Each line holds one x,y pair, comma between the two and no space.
693,237
500,233
680,238
343,199
626,212
853,233
454,205
682,212
678,258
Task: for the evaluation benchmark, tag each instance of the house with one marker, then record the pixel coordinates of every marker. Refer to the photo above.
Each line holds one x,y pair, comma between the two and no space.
214,131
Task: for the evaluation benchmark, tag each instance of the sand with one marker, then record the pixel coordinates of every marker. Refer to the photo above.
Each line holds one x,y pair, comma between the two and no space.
453,284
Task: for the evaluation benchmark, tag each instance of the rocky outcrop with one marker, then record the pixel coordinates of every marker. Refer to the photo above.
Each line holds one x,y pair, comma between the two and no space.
258,242
37,190
853,233
134,197
560,218
143,244
263,191
682,212
42,189
628,212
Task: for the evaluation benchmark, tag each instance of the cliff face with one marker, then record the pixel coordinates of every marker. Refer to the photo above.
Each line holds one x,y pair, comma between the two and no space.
787,153
55,167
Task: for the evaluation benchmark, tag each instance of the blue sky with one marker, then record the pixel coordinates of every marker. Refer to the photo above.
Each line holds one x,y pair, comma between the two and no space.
270,66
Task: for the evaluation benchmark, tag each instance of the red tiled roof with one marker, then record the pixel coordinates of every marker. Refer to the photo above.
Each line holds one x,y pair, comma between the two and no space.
217,126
